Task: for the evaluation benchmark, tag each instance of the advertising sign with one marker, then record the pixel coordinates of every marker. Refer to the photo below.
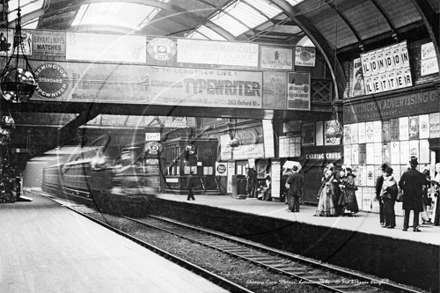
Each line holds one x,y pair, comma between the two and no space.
161,49
298,91
386,69
85,82
205,87
49,43
274,90
220,53
106,47
305,56
276,58
221,169
358,79
429,63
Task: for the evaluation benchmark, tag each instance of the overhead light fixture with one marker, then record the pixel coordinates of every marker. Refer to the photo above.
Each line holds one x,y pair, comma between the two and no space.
18,79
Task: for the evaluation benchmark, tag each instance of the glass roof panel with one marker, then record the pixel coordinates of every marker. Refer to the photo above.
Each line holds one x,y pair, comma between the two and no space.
210,34
196,35
267,9
31,25
294,2
229,23
26,6
246,14
130,15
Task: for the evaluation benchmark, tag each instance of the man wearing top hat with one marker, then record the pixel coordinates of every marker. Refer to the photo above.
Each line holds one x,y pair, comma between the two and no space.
411,183
379,184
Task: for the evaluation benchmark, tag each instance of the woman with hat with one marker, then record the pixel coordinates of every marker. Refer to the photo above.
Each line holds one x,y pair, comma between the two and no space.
349,190
388,196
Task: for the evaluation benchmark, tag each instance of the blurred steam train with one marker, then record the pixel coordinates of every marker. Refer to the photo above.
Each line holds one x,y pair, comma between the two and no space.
112,179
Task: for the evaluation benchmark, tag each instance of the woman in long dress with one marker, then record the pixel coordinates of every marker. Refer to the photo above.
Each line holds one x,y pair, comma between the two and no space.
349,190
326,207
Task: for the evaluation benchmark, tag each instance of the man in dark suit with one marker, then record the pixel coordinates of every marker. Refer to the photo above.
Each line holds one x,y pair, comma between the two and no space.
190,185
296,183
379,184
411,183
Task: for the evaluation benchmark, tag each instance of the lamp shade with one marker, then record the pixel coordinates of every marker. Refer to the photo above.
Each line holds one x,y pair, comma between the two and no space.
18,85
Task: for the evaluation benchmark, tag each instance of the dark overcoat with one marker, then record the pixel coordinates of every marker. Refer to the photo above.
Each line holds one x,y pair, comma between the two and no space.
411,183
296,183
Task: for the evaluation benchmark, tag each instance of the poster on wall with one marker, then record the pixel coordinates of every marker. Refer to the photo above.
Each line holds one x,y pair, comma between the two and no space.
403,128
175,86
355,154
414,148
424,151
369,132
370,153
429,63
404,152
276,58
434,128
347,155
386,133
378,149
367,199
358,78
298,91
276,178
347,134
269,144
370,175
414,127
362,150
220,53
319,133
49,43
377,131
106,47
305,56
395,152
274,90
231,171
394,128
354,133
386,153
308,134
424,126
332,137
361,132
386,69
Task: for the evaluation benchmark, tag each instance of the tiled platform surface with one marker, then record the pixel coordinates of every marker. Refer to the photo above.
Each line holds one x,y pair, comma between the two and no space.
46,248
362,222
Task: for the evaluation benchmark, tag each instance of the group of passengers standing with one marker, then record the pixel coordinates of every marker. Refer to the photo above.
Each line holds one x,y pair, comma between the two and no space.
414,186
337,194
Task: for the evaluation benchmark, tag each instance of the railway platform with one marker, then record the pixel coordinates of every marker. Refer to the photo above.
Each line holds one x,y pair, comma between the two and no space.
367,222
358,242
45,247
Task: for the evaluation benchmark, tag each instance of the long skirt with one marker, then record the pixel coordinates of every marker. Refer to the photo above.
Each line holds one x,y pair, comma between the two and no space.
351,201
389,215
326,207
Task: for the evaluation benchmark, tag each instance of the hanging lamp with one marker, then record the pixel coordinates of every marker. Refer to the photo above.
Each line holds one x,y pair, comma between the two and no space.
18,79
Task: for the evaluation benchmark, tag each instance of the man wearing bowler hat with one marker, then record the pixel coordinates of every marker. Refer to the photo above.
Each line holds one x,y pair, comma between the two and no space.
411,183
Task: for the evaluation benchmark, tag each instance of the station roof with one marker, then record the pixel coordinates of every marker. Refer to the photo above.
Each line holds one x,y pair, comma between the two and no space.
340,29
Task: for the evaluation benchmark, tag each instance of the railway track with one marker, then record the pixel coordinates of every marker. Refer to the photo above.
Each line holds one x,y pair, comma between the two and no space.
215,278
303,271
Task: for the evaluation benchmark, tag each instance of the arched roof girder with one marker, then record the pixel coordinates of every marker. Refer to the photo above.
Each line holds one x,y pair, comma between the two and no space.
164,6
320,42
387,19
347,22
431,21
